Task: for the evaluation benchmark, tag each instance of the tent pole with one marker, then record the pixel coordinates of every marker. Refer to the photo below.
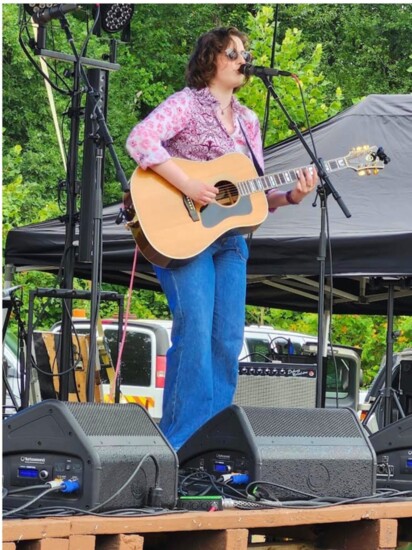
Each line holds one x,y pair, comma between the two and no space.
387,396
326,326
321,349
9,271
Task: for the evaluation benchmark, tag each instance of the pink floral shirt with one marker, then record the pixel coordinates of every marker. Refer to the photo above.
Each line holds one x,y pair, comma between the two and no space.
185,125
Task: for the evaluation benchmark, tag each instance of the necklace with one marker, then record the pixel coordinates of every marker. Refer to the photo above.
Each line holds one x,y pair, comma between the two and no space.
223,109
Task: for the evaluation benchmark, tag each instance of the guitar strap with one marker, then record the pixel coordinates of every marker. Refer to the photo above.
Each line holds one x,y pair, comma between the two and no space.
258,169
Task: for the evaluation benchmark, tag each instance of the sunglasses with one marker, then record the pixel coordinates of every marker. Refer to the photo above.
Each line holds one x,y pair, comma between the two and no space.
233,54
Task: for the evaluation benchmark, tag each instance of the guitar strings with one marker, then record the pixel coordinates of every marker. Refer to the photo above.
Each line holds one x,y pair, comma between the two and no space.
229,185
226,187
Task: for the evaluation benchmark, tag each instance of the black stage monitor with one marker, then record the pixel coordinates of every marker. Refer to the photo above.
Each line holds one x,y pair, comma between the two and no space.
320,452
98,444
393,446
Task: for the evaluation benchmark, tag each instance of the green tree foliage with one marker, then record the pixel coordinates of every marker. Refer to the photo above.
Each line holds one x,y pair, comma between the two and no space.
152,67
294,54
366,46
27,121
23,201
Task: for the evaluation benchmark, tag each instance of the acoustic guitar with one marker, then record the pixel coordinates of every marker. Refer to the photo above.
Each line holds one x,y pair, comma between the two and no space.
170,227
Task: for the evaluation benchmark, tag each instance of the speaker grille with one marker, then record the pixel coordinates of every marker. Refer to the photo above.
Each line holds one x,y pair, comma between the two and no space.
117,419
302,423
275,392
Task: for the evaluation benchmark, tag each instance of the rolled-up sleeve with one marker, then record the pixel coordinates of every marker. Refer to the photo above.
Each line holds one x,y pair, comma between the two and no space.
145,143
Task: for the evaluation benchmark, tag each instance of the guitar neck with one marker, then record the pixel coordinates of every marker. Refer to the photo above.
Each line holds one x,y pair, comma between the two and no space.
271,181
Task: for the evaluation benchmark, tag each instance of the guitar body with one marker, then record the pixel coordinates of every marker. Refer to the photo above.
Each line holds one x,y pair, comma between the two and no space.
172,228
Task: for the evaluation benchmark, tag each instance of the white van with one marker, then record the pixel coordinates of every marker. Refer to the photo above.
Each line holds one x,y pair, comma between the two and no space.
143,366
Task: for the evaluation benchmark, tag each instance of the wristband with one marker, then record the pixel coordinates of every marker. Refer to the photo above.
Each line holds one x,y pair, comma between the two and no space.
289,197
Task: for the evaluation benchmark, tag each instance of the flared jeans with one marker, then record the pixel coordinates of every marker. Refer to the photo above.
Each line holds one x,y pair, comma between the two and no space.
207,300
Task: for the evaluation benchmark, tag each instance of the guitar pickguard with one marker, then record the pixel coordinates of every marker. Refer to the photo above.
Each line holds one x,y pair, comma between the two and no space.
213,214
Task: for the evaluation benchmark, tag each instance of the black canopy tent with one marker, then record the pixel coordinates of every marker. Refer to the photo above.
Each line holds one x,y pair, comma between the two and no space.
372,245
375,242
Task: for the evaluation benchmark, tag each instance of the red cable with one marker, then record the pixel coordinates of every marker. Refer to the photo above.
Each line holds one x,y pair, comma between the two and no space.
126,320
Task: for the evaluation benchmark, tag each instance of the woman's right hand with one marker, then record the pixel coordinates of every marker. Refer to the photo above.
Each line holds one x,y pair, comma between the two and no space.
199,191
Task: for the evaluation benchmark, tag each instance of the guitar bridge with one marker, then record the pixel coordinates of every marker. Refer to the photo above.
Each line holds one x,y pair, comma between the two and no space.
190,207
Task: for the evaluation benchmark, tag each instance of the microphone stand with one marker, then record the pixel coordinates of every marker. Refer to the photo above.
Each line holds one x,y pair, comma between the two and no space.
325,188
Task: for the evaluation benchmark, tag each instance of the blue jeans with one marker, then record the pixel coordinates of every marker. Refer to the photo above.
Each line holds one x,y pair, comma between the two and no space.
207,301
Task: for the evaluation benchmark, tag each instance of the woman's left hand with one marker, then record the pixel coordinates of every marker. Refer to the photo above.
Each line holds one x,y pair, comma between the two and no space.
307,181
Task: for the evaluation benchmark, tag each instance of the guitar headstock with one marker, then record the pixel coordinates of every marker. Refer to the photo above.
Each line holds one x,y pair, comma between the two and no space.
366,160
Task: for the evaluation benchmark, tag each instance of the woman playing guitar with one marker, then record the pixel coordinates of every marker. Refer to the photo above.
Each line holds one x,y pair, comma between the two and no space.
207,294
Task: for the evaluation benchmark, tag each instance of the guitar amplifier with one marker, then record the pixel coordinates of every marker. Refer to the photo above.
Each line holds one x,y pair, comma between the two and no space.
278,385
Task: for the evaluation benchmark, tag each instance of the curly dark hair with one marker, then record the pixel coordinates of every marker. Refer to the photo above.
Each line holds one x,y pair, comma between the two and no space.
202,64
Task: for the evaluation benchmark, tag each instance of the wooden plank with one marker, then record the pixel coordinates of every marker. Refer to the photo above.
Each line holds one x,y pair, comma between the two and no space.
262,520
26,529
45,544
233,519
230,539
8,546
120,542
368,535
82,542
387,533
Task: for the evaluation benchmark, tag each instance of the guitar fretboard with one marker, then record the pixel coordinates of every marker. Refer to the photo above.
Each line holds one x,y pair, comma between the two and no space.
271,181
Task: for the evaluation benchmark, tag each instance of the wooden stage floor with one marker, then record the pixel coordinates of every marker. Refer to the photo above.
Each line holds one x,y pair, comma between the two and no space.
376,526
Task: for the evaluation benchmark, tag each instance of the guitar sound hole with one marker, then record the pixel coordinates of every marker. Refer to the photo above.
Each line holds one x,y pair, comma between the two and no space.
228,194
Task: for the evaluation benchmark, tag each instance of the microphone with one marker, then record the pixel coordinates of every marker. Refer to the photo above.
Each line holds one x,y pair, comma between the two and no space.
248,70
55,12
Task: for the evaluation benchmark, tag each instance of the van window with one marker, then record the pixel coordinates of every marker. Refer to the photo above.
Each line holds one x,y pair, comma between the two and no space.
286,346
136,358
343,373
259,350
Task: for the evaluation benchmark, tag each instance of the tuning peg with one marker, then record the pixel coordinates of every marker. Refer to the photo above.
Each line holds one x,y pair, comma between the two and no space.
382,155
